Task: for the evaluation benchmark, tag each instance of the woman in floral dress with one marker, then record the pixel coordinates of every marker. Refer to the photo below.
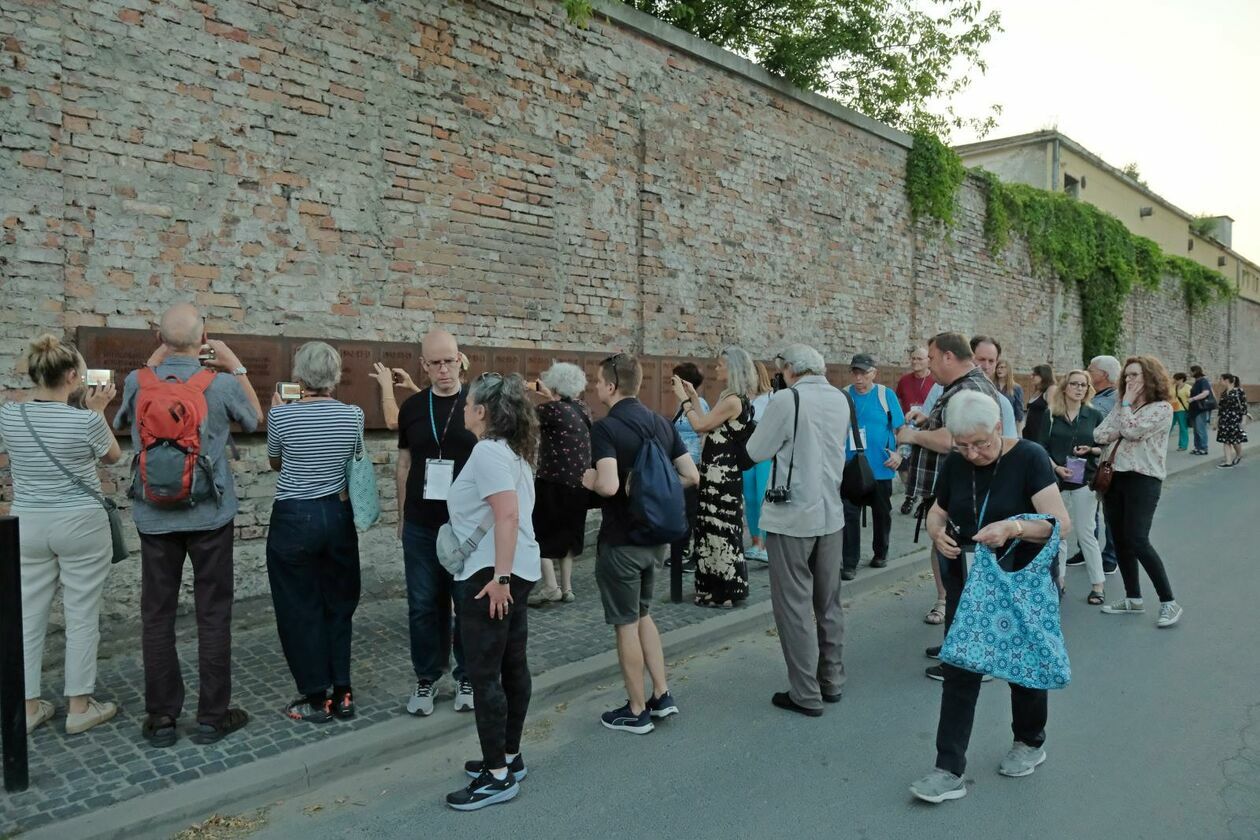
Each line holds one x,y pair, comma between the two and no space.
1231,409
721,569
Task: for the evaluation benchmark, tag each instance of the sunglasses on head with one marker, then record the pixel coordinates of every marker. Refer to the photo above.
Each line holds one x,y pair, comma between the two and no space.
613,359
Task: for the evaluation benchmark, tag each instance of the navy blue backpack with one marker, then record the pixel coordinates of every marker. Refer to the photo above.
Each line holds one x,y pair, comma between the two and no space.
657,510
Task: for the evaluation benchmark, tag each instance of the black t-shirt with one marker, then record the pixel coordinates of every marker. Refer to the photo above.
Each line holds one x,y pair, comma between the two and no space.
620,435
1009,484
416,433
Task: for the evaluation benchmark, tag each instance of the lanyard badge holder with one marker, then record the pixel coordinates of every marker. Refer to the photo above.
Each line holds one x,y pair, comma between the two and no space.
439,472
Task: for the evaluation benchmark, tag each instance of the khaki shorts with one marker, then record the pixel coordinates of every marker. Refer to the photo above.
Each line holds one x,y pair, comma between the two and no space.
625,574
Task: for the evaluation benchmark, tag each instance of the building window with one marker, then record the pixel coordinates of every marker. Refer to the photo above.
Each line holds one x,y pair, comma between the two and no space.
1071,186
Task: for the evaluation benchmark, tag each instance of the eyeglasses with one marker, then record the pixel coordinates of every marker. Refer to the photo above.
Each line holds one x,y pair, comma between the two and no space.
490,375
1078,384
439,364
616,383
977,448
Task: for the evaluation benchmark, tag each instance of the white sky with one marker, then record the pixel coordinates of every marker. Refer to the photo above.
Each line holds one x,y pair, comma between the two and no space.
1173,85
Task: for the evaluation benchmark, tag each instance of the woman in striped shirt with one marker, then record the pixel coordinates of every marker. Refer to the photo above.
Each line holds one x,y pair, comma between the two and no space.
312,546
64,529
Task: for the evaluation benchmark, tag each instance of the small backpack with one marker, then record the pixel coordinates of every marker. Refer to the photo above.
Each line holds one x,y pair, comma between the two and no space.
657,509
170,470
857,482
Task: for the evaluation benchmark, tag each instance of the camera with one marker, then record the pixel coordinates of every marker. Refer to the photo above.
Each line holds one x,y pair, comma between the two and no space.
779,495
206,354
777,382
97,377
289,391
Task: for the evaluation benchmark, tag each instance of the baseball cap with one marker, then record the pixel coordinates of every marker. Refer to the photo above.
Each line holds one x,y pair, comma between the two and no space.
865,361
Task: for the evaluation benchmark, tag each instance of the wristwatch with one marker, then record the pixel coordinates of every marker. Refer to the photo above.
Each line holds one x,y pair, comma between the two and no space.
239,371
505,579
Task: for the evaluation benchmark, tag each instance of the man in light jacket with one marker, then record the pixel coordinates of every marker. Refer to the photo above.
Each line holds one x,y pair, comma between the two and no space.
804,530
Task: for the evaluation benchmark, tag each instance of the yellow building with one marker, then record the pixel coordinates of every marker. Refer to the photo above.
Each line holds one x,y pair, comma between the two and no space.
1051,161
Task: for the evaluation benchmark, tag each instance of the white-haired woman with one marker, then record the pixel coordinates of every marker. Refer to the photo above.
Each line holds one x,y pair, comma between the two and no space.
721,569
564,424
312,546
496,485
984,482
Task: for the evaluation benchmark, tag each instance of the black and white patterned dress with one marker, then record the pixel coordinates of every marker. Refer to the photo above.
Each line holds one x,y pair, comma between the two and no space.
1231,408
721,570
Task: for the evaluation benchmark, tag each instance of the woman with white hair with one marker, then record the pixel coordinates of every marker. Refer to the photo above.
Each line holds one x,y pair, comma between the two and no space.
721,568
561,501
985,481
312,546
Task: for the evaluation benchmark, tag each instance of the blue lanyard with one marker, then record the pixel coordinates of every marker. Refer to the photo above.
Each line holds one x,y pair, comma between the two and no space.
985,505
433,423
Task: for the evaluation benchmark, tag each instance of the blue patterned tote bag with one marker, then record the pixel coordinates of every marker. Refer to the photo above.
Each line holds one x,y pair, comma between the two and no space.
1007,623
361,486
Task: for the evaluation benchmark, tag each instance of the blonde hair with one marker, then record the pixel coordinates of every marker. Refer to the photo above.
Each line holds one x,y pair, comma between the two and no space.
50,359
1058,405
764,385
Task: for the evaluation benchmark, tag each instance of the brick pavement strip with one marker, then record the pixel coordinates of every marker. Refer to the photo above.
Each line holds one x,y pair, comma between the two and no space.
109,783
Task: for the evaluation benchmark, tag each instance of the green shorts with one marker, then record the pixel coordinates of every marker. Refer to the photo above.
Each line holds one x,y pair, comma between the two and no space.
625,574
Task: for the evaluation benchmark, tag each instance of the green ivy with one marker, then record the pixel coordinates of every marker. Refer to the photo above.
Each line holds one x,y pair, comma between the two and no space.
933,174
1200,285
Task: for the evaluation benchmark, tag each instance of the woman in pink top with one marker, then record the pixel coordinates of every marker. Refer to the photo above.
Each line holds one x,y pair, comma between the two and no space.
1135,438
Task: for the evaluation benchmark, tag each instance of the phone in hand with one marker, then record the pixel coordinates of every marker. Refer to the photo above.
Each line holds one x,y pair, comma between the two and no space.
289,391
98,377
206,354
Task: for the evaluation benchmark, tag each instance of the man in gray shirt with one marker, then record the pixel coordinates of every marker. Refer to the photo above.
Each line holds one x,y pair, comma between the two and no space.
201,531
803,516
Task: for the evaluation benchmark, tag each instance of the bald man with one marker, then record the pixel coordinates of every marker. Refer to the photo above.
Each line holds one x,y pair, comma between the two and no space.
433,447
201,531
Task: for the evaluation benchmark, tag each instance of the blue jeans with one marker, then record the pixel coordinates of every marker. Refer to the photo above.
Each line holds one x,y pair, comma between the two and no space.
430,589
1200,420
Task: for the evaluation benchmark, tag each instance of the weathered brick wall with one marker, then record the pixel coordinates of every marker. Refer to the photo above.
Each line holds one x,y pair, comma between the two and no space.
368,170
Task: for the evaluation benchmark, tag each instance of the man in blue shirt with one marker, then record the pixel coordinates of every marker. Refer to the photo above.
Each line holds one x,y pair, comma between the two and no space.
878,418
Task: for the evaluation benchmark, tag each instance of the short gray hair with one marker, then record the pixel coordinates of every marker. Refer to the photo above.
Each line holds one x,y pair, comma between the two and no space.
803,360
968,412
1109,365
741,373
317,365
565,379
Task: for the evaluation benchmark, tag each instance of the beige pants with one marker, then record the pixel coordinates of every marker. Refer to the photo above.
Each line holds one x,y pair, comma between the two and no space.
805,597
72,546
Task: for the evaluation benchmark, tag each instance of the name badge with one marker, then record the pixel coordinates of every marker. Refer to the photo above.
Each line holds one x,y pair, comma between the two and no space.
967,557
861,435
438,475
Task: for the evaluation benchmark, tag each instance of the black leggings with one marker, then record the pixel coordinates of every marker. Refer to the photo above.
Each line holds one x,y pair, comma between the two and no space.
494,660
1129,506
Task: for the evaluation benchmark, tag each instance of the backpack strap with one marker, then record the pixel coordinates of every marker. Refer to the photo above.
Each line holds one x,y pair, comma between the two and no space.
202,379
854,432
146,377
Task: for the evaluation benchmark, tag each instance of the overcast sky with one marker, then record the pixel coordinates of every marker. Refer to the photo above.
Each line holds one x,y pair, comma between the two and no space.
1172,85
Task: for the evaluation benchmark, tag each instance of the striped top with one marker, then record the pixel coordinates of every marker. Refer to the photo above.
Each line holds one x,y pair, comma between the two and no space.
77,438
314,440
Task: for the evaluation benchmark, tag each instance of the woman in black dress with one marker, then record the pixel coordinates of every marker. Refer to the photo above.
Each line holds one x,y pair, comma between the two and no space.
721,569
1231,410
1038,406
560,502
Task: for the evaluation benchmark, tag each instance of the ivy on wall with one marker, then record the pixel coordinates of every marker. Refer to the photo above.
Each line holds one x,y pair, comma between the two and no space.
933,174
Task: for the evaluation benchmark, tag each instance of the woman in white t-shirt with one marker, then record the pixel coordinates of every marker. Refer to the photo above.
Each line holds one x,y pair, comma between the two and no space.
495,490
64,528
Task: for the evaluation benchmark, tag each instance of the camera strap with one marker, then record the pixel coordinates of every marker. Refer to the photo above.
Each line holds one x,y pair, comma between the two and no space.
796,419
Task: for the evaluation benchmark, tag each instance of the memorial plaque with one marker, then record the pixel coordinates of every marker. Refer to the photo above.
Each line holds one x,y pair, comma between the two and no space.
650,389
590,363
121,351
508,361
479,361
405,357
268,361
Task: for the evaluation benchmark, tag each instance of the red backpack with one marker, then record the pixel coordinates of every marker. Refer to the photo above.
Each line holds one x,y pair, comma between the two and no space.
170,470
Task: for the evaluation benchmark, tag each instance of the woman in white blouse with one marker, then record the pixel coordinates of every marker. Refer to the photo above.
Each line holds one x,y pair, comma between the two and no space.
1135,439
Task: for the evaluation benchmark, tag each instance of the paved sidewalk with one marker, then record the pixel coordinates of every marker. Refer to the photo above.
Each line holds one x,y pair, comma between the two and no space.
75,775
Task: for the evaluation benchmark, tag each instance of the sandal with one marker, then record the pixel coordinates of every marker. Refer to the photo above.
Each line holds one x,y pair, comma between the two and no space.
1095,598
936,615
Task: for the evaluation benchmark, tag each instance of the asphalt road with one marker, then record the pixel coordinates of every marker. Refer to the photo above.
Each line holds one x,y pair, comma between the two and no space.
1158,736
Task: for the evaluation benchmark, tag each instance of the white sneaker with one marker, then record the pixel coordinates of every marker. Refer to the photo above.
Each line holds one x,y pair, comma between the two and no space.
1125,606
420,702
1021,761
43,714
97,713
464,697
1169,614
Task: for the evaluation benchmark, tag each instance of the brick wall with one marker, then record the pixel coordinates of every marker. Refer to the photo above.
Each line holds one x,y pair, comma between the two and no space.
367,170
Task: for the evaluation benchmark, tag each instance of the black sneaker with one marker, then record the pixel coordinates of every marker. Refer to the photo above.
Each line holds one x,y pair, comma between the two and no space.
879,562
907,506
517,768
625,720
848,574
484,790
934,652
1076,559
1110,568
663,706
304,710
833,698
343,705
936,672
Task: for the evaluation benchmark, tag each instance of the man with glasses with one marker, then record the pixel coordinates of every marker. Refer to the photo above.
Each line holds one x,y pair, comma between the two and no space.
433,447
878,418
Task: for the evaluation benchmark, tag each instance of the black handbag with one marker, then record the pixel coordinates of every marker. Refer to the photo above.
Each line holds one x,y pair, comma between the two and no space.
857,485
740,438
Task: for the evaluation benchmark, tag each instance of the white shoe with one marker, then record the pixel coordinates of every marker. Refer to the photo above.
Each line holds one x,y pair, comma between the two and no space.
464,697
1169,614
44,713
420,703
97,713
1125,606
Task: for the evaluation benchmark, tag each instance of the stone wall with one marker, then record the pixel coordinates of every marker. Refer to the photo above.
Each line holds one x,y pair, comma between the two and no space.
367,170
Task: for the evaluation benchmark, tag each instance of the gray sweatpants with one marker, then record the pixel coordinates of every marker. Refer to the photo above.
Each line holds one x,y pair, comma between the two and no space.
805,595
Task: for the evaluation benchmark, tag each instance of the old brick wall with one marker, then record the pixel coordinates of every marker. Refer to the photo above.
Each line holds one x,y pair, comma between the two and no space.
367,170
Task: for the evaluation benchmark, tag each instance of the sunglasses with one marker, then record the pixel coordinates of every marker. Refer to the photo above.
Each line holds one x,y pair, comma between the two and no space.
613,361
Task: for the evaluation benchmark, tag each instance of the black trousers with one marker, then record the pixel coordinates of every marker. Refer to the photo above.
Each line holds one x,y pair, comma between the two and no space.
681,546
494,660
1029,706
313,568
1129,506
881,524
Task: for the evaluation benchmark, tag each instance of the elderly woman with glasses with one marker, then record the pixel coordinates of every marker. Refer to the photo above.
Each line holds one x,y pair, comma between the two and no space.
492,504
985,481
1068,435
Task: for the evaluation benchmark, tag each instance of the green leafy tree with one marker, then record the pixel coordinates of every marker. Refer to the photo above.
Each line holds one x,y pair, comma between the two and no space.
898,61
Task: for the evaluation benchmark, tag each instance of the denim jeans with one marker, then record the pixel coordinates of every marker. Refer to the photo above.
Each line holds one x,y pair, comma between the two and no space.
313,567
1200,420
430,589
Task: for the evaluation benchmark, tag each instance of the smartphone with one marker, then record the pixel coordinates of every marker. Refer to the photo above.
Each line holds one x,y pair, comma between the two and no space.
206,354
398,378
289,391
98,378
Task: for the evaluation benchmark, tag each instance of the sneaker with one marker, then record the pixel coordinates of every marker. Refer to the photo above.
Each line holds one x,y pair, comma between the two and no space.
544,596
304,710
936,672
1225,465
907,506
848,574
938,786
663,706
464,696
1076,559
159,730
343,705
44,714
757,554
568,596
1169,614
420,703
625,720
879,562
516,767
1125,606
484,790
97,713
1110,568
211,734
1022,760
934,652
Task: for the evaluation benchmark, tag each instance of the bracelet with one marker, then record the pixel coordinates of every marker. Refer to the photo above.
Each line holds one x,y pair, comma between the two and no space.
686,401
1019,529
